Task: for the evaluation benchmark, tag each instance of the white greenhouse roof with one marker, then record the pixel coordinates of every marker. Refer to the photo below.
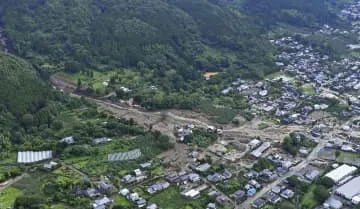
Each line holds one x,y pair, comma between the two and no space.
341,172
350,189
131,155
31,157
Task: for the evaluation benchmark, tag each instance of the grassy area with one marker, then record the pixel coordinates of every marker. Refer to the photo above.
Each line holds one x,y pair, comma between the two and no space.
32,184
122,201
348,157
308,201
269,207
308,89
58,206
96,80
222,115
262,126
172,199
8,197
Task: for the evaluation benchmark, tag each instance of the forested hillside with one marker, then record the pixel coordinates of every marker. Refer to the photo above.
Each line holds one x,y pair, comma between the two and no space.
186,35
182,35
298,13
21,90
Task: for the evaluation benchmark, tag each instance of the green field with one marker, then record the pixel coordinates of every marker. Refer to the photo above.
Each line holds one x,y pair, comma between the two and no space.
222,115
262,126
172,199
308,201
308,89
349,158
8,196
122,201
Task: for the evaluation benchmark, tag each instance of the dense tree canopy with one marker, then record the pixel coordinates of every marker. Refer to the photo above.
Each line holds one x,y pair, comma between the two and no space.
71,35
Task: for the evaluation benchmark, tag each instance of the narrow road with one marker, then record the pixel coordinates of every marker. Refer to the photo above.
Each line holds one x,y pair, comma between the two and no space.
10,182
312,156
84,175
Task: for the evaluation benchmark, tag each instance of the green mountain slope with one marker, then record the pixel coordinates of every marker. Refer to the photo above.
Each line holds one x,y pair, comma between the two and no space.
207,35
21,90
298,13
74,34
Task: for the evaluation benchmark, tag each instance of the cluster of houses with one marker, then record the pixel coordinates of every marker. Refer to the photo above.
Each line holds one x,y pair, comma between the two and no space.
195,185
327,78
70,140
98,194
217,177
258,147
274,196
345,192
185,131
351,11
138,175
311,66
328,30
136,199
347,187
260,96
342,145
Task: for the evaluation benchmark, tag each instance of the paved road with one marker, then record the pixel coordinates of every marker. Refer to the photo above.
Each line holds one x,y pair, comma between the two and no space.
293,171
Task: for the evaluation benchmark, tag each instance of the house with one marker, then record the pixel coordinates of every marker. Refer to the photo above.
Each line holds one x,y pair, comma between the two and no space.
227,90
50,165
222,199
133,197
276,189
137,172
286,164
68,140
157,187
254,183
101,140
332,203
251,191
287,194
238,195
152,206
316,132
259,151
267,176
194,177
101,202
100,207
191,193
356,199
203,167
211,206
304,151
251,174
254,143
128,179
312,175
226,174
141,202
124,192
140,178
213,193
216,177
273,198
259,203
146,165
104,187
91,192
